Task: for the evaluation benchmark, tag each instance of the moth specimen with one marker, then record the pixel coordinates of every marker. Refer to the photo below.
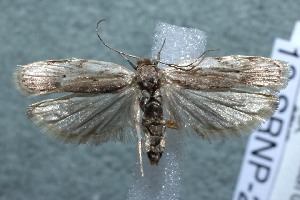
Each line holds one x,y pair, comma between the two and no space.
209,96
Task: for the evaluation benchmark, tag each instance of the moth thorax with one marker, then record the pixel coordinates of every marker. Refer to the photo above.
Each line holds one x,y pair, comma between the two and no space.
148,76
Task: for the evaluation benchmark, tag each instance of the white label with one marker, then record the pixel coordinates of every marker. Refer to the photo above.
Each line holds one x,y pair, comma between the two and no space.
265,146
287,184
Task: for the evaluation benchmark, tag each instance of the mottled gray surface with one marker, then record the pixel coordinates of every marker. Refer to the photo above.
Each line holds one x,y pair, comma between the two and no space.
34,166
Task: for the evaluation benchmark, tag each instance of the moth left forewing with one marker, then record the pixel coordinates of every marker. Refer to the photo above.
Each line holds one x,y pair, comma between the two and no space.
224,96
71,75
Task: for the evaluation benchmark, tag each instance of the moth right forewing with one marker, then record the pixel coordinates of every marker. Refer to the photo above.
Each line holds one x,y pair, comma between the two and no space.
71,75
244,72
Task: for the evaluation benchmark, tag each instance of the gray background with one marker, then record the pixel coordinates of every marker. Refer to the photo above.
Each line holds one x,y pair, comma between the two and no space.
33,166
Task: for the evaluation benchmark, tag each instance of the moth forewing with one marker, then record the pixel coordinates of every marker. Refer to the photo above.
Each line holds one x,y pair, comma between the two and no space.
231,72
71,75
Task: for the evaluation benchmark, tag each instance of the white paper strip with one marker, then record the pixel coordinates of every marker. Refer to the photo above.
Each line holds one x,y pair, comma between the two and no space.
163,181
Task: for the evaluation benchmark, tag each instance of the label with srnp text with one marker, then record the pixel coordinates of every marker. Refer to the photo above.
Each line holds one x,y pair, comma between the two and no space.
266,147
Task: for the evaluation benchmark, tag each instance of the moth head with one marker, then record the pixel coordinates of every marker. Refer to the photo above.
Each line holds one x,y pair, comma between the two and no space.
145,62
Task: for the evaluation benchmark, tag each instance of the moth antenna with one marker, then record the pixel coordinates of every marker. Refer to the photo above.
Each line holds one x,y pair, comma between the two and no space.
196,60
119,52
207,52
199,60
158,53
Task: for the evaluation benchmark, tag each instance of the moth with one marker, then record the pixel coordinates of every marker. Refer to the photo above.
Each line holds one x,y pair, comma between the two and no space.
209,96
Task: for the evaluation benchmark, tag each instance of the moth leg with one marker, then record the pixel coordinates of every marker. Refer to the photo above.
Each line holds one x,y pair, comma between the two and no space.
171,124
139,136
140,152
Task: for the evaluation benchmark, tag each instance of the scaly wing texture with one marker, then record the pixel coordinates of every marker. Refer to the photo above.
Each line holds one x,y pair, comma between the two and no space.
71,75
258,73
88,118
224,96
